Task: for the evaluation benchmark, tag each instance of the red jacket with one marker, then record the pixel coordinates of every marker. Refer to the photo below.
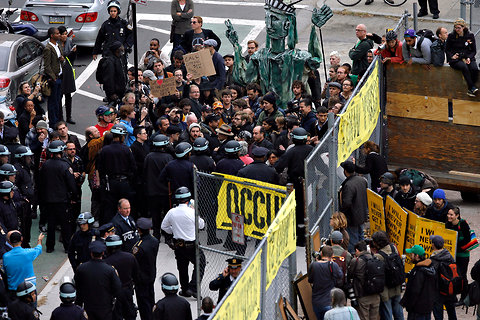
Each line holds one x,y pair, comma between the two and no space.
396,57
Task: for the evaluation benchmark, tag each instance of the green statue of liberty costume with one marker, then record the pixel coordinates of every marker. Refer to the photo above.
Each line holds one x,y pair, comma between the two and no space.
275,67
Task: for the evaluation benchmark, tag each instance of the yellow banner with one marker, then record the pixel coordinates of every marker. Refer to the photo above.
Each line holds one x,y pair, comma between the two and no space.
247,198
243,303
410,237
375,212
281,238
396,220
360,119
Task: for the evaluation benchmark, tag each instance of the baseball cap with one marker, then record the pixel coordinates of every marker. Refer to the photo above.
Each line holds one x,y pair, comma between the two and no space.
210,42
336,236
348,165
416,249
410,33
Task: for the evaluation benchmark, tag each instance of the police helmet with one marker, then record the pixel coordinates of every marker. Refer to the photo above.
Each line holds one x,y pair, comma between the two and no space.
182,149
7,169
23,151
299,134
119,129
116,4
56,146
200,144
113,241
169,283
182,194
85,217
391,35
387,178
4,150
160,140
232,146
68,292
24,288
5,187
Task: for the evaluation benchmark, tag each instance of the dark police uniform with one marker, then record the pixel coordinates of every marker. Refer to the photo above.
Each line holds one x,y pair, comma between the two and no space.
68,311
127,268
116,166
222,283
56,187
172,307
78,251
230,166
74,210
8,214
139,152
145,251
24,182
179,173
258,170
113,30
20,310
127,231
203,162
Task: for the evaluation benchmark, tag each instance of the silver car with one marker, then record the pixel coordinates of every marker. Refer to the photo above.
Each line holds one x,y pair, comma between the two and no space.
85,17
20,59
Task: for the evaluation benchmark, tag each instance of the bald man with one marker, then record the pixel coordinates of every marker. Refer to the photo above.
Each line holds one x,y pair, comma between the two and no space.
358,53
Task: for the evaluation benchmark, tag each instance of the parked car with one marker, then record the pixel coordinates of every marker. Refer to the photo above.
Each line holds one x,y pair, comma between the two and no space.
20,59
85,17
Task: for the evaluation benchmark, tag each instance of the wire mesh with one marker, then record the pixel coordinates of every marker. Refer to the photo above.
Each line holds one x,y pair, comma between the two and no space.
280,287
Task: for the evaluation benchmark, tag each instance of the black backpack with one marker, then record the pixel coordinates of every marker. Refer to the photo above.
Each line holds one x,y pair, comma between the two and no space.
100,70
437,50
426,33
394,268
374,275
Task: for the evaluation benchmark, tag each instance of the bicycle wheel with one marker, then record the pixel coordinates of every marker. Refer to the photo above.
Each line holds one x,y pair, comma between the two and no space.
394,3
349,3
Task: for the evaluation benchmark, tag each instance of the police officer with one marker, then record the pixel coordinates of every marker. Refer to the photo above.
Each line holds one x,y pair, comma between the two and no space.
78,251
105,230
115,165
4,154
68,310
180,221
57,187
79,173
231,163
171,307
156,191
114,29
8,212
294,159
8,172
201,156
125,226
24,182
145,251
127,268
179,172
226,278
23,308
97,284
258,170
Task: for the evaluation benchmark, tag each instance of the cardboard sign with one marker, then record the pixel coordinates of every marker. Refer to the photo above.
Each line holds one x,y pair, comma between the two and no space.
238,234
396,219
164,87
375,212
199,63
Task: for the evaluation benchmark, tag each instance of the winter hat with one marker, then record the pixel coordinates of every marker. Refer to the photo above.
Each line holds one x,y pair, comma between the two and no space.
439,194
424,198
460,22
270,97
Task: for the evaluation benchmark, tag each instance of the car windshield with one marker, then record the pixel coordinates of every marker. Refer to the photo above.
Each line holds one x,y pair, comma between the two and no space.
62,1
4,54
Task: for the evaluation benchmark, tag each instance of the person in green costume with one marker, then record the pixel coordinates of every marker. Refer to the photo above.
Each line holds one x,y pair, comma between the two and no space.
276,67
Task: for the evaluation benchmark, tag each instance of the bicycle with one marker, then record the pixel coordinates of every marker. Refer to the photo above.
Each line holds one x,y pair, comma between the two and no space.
351,3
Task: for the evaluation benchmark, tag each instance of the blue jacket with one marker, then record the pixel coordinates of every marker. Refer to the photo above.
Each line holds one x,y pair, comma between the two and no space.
18,265
130,138
218,80
308,123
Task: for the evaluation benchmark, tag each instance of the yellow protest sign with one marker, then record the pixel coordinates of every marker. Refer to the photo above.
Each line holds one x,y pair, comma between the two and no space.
410,237
396,221
281,238
375,212
359,121
243,303
246,197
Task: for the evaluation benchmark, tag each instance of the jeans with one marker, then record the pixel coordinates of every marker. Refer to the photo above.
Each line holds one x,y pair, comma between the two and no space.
356,235
391,309
54,103
449,306
469,71
418,316
320,311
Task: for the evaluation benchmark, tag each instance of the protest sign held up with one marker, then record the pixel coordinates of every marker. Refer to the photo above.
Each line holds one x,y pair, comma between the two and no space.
199,63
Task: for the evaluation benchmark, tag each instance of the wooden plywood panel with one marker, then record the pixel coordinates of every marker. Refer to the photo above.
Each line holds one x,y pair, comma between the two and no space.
434,145
304,290
417,107
466,112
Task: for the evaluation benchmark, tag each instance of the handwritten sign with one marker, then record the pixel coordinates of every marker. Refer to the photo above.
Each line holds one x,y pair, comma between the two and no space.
199,63
164,87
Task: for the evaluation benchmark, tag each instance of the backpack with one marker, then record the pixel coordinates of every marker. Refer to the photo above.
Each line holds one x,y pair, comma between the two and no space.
437,50
394,268
450,282
341,261
100,70
426,33
474,293
415,176
374,275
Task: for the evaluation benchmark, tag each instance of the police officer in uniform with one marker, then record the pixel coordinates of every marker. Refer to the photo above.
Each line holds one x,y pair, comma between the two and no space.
79,173
114,29
145,251
127,268
180,221
171,307
258,169
57,187
68,310
226,278
201,156
78,251
23,308
294,159
8,212
231,164
98,284
4,154
105,230
125,226
156,190
115,165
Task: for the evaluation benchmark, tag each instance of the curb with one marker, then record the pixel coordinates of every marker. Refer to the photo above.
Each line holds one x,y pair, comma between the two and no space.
354,12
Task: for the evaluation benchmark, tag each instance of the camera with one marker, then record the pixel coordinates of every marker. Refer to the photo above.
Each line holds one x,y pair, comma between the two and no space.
351,295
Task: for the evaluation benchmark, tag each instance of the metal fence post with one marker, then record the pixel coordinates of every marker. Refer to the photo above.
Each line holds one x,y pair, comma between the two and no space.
405,21
415,16
292,270
332,162
197,243
263,279
463,9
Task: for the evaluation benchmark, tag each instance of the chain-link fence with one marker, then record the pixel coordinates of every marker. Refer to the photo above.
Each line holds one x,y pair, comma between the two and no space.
475,23
221,200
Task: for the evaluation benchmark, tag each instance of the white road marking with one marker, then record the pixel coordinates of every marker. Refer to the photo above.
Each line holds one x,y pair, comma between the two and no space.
230,3
90,95
253,34
143,26
167,17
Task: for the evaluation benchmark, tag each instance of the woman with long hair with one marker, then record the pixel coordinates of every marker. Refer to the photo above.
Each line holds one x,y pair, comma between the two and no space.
338,222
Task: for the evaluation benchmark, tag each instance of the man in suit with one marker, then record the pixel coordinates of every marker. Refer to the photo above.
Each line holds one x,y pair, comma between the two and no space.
198,32
125,226
227,277
52,61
